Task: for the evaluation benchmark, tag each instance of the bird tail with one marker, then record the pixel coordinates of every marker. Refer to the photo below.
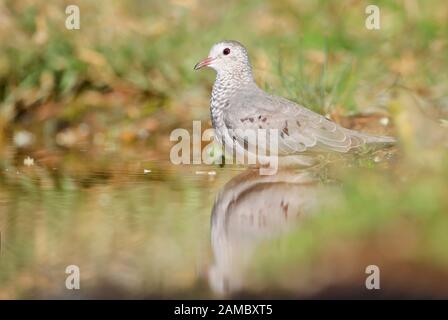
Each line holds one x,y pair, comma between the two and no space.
375,139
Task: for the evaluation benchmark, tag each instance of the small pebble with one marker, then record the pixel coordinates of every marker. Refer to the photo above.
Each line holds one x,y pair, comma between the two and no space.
384,121
28,161
23,138
210,173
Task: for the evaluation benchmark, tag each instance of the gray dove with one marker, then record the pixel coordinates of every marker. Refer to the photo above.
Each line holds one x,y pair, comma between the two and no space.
238,104
251,208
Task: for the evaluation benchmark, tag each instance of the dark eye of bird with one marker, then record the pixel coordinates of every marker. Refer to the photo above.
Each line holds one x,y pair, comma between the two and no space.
226,51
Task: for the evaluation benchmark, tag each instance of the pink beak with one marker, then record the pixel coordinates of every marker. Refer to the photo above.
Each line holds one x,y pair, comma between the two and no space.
204,63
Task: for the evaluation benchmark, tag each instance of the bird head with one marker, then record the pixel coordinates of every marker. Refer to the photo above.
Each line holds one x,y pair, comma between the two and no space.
226,57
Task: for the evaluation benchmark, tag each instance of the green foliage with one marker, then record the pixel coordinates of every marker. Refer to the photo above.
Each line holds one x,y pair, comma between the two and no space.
88,94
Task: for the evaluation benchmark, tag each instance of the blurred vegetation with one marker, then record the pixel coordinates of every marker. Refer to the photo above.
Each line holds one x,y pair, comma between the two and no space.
132,60
93,107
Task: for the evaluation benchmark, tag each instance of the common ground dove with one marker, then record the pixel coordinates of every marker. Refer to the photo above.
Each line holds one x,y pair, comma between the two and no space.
238,104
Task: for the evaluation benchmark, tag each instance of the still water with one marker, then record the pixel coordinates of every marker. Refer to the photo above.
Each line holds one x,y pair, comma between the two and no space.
138,228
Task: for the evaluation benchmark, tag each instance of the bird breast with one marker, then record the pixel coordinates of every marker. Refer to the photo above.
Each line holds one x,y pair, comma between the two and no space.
223,89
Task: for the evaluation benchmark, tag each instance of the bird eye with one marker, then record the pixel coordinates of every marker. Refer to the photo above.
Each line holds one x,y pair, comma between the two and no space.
226,51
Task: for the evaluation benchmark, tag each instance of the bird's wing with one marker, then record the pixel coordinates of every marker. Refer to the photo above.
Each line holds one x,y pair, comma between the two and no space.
298,129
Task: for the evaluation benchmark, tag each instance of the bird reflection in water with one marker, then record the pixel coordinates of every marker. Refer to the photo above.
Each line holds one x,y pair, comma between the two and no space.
250,209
